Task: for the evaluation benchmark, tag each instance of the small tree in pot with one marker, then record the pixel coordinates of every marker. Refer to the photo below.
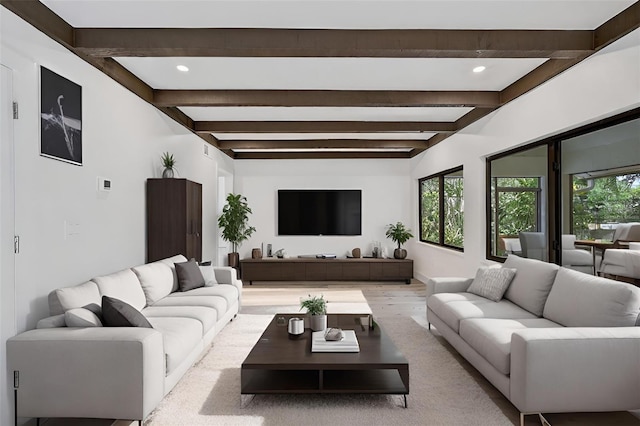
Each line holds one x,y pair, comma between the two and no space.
234,223
317,309
399,234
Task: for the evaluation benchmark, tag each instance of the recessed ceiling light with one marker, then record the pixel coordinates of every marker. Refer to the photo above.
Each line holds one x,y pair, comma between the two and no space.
182,68
479,69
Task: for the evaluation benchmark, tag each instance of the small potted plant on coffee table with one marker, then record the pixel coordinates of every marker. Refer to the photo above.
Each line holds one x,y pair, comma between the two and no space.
316,307
399,234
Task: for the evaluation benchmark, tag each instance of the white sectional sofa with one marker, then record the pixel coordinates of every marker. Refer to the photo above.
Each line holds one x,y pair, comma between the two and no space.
558,341
120,372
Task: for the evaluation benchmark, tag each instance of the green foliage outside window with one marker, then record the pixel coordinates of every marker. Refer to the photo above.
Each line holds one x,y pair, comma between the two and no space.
452,209
612,199
517,209
430,220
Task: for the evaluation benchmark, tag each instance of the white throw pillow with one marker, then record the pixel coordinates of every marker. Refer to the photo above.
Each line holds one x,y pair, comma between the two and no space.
77,296
156,280
492,282
209,276
81,317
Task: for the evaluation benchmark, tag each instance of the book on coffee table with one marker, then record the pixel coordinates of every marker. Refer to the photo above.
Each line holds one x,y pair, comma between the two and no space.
348,344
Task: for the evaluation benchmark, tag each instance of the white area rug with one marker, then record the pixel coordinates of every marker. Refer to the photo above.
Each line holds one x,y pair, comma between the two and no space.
442,391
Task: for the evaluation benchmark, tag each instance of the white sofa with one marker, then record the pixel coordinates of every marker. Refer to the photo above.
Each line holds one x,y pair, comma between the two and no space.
120,372
558,341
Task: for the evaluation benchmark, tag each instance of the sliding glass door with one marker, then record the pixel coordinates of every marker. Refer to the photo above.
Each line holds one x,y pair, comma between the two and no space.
564,198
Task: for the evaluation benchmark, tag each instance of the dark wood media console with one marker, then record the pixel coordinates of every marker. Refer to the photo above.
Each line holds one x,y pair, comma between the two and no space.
314,269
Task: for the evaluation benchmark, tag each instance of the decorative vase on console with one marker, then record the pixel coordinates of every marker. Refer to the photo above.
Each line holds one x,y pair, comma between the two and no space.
317,309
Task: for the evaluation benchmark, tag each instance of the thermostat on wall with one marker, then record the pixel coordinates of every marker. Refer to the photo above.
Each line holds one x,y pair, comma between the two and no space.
104,184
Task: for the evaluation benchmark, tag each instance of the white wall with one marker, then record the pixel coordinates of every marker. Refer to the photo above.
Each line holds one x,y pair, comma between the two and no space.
601,86
123,139
386,194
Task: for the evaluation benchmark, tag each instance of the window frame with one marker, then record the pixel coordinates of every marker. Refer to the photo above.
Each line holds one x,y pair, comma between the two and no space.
554,190
441,210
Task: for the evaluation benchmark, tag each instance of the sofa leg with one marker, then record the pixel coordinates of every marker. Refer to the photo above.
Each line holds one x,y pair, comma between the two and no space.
429,325
543,421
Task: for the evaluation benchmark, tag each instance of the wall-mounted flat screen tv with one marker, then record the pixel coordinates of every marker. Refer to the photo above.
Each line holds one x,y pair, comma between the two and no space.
320,212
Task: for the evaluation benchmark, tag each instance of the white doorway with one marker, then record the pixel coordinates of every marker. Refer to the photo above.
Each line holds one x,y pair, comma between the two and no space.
7,230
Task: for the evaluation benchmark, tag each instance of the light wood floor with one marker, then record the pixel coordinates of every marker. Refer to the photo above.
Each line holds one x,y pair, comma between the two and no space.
385,298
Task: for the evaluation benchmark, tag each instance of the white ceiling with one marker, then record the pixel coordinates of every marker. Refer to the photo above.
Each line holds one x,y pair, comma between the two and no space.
238,73
371,14
324,113
330,73
290,136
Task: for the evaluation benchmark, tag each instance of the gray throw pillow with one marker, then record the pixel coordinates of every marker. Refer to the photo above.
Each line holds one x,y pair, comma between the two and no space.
492,282
116,313
189,275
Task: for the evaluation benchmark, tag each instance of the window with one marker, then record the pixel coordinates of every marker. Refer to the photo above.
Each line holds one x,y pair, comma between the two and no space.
600,203
517,199
548,200
442,209
601,181
515,207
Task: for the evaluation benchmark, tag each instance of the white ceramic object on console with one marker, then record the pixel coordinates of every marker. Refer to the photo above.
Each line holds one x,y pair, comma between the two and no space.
318,322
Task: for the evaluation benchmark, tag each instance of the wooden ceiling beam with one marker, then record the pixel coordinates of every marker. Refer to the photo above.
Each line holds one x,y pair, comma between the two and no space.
467,119
269,42
317,155
617,27
42,18
535,78
323,126
326,98
322,143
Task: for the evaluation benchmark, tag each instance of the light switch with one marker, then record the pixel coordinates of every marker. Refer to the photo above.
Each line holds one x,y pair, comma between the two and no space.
71,229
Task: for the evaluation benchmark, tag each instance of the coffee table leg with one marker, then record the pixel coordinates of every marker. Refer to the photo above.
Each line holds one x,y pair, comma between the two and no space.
245,399
405,400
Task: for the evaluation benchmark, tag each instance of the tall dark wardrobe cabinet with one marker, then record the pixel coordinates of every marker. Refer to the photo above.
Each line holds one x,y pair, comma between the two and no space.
174,219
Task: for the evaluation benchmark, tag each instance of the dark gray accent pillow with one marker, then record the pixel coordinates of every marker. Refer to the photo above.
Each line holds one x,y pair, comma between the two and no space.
189,275
116,313
95,308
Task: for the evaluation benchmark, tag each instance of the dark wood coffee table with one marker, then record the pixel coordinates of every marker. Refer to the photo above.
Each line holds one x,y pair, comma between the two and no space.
278,364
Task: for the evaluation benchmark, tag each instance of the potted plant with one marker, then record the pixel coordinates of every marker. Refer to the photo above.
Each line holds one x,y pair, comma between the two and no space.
234,223
168,162
399,234
316,307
